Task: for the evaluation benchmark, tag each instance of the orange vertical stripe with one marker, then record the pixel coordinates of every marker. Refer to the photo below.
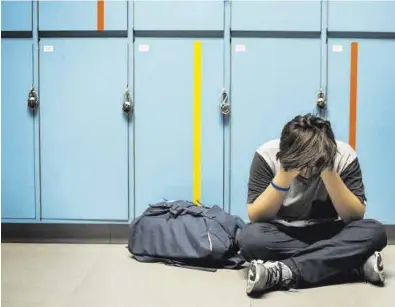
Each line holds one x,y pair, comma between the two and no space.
353,94
100,15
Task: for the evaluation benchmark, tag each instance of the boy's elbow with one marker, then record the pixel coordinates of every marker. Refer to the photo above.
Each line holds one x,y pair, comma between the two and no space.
255,216
250,213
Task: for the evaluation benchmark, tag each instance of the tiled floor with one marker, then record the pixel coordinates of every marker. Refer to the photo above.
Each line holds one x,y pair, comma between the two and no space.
61,275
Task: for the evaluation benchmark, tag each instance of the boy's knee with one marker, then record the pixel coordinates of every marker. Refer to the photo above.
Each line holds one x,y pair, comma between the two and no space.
247,236
377,232
251,240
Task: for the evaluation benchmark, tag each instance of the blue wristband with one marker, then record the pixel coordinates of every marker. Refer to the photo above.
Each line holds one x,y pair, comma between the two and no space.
279,188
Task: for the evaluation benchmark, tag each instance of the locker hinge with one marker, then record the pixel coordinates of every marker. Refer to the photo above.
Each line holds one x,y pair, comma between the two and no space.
224,106
127,106
32,101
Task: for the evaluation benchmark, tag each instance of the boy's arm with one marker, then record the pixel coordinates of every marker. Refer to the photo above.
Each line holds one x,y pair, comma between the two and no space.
346,191
264,201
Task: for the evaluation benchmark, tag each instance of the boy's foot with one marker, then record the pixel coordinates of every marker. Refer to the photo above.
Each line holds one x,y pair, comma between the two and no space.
373,269
267,276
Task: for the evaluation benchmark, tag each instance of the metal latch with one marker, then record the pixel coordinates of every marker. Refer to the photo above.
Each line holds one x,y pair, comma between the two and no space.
127,106
321,100
225,108
32,100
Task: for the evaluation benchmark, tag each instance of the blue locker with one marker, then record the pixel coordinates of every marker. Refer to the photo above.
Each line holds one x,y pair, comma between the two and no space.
375,109
179,15
272,81
164,121
364,16
16,15
276,15
81,15
17,131
84,133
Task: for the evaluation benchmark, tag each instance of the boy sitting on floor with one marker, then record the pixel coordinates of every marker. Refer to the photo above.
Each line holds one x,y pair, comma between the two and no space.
306,203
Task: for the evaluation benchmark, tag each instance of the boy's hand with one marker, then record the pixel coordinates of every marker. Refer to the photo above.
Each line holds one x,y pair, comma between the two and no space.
326,172
289,175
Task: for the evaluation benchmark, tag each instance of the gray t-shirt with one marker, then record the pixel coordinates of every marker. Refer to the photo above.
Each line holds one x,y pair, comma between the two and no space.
305,202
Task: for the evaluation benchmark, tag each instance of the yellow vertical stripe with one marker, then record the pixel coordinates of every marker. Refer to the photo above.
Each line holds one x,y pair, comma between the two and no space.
197,120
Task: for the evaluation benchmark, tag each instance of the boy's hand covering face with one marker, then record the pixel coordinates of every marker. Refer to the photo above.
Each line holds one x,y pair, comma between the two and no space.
291,173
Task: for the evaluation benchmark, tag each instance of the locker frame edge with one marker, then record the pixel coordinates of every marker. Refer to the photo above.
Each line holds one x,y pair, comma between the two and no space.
226,188
36,118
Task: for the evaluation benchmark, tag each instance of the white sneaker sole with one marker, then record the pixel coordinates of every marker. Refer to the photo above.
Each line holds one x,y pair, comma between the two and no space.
253,275
379,267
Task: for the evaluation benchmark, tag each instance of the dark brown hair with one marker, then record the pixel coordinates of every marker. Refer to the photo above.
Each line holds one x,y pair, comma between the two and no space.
307,143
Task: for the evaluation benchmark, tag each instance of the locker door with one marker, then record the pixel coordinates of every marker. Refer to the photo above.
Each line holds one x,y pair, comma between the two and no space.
361,16
82,15
273,80
165,118
84,136
276,15
173,15
275,75
16,15
374,113
17,131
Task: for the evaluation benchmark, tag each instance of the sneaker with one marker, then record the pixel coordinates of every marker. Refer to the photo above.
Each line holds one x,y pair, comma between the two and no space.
373,269
266,276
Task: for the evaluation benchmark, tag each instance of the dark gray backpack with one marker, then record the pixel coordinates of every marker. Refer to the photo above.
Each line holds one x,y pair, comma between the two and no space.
182,234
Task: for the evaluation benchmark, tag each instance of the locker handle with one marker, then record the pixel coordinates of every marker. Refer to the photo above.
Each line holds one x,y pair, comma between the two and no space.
225,108
127,106
32,100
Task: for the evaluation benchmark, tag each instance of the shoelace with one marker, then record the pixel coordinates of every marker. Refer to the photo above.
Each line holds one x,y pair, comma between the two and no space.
275,277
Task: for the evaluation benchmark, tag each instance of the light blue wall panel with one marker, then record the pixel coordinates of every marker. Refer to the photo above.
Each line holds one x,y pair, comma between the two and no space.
375,109
179,15
81,15
273,80
357,15
276,15
16,15
17,130
164,120
83,131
